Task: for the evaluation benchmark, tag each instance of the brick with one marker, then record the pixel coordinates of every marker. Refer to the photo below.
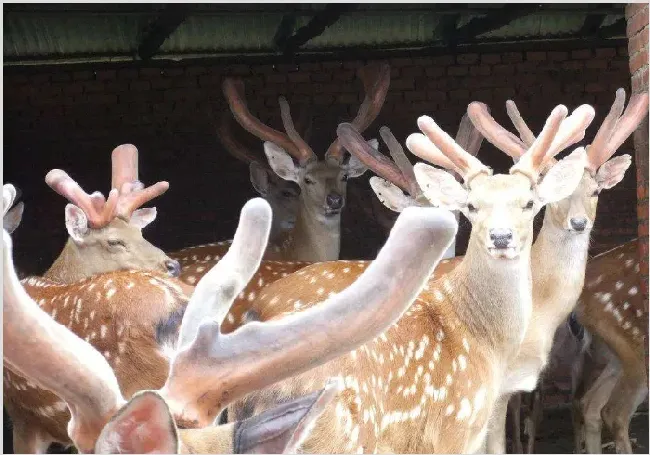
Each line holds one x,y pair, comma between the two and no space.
322,99
503,69
173,71
422,61
151,72
61,77
185,82
116,86
582,54
638,60
434,71
316,66
255,69
480,70
140,86
459,94
622,51
93,86
512,57
467,59
332,66
631,9
105,74
436,95
536,56
490,59
276,78
504,93
127,73
573,65
443,60
457,70
343,75
101,98
72,89
402,84
347,98
163,84
195,70
415,96
639,41
596,64
637,22
321,77
557,56
640,80
401,62
83,75
209,80
301,76
412,72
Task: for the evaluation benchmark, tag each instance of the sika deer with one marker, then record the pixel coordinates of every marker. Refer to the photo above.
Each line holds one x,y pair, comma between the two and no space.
612,310
437,372
316,236
559,255
282,196
106,235
195,391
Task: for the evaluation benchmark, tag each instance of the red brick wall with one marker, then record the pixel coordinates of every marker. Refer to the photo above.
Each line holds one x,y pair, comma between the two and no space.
72,117
638,33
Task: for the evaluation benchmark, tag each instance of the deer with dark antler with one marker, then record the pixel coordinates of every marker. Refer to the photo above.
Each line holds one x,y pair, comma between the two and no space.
559,255
106,234
437,372
208,369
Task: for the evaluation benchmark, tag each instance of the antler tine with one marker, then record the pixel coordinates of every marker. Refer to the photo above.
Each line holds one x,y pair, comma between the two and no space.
306,153
400,158
532,161
125,165
466,165
8,197
98,217
233,92
572,129
375,95
468,137
216,291
635,112
597,147
350,138
225,368
54,358
497,135
136,196
234,147
525,133
422,147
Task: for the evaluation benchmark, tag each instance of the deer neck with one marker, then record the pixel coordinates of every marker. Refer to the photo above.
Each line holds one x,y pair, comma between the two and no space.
493,297
314,239
559,260
65,268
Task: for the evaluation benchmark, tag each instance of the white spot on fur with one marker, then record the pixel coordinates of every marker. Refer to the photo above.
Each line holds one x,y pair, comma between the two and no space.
465,409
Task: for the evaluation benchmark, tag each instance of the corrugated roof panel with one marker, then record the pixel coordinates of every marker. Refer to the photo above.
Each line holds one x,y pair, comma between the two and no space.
29,35
539,24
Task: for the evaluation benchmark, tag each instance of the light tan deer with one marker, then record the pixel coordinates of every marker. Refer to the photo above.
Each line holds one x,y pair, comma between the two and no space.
282,195
613,312
255,356
430,382
559,255
106,234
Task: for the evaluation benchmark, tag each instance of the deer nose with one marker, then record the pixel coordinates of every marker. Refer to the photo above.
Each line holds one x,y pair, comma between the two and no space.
173,267
579,224
501,237
334,201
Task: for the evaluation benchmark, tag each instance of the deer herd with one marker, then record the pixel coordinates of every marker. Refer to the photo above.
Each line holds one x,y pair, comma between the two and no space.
268,343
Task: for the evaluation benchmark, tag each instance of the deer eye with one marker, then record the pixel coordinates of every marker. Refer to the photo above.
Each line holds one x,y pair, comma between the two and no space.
287,193
595,193
344,178
309,181
529,205
116,242
472,208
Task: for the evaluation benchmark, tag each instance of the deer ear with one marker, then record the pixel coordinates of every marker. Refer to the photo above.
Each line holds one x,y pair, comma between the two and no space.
440,187
13,217
76,223
563,178
143,425
281,162
613,171
259,178
390,195
141,218
283,428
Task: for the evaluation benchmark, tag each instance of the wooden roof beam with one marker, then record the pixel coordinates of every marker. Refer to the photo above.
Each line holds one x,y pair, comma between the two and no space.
156,32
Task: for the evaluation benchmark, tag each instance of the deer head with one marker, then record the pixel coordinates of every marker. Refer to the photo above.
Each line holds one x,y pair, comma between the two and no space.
282,195
323,183
11,215
577,212
106,234
210,370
